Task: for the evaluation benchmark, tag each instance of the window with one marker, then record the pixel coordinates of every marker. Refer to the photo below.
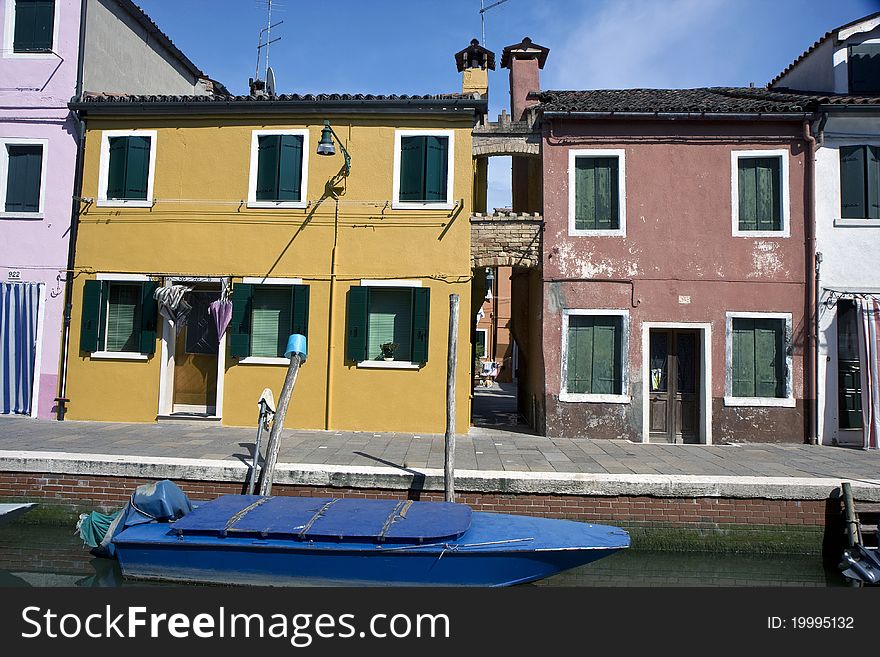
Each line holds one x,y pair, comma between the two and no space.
760,193
860,182
481,343
23,179
593,356
279,162
387,323
758,360
34,26
127,165
864,68
263,318
423,169
118,318
596,192
849,380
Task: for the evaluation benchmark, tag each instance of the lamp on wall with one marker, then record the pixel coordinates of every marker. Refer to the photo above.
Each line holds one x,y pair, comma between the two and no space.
327,147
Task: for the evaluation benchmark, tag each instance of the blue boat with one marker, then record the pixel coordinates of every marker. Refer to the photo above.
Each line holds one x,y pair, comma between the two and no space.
279,541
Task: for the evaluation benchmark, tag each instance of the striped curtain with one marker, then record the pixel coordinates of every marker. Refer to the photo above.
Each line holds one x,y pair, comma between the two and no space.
19,307
869,348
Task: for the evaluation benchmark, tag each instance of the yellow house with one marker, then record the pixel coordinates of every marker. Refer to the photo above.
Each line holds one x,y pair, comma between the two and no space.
344,218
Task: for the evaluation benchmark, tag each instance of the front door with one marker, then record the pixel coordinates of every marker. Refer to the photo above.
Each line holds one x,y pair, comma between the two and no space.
674,386
195,357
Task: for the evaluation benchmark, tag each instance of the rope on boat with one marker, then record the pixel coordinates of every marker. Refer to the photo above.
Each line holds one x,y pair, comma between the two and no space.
454,547
320,513
241,514
402,507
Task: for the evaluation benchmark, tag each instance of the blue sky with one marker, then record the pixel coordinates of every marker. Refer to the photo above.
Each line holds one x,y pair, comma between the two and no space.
392,46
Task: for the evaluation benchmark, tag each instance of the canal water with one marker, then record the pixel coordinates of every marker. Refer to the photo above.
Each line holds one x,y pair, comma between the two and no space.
41,555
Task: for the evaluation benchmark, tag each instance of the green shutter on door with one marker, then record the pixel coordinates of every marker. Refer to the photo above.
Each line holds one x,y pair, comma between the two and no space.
290,168
240,324
872,181
268,156
300,304
149,308
421,309
356,324
852,182
759,193
24,177
137,168
412,168
34,25
596,193
91,316
436,161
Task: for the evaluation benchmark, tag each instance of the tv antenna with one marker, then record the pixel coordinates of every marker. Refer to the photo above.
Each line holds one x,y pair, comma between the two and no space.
483,10
269,41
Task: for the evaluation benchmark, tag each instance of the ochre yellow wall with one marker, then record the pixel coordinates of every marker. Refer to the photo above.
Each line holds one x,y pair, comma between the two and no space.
200,227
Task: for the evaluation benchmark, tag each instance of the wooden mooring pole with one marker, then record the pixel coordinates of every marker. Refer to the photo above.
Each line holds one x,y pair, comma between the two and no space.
449,461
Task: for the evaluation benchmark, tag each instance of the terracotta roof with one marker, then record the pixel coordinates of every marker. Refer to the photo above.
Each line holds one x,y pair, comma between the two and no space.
113,98
818,43
714,100
809,99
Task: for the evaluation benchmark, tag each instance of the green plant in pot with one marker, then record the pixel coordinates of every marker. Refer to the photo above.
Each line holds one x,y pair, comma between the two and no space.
388,349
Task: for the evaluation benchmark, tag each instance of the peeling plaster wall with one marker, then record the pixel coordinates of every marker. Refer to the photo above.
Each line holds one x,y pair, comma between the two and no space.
682,258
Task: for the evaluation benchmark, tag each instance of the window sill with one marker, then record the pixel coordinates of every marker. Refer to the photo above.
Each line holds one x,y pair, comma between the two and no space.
118,355
427,205
762,233
23,215
614,232
778,402
857,223
389,365
572,397
47,54
121,203
279,205
263,360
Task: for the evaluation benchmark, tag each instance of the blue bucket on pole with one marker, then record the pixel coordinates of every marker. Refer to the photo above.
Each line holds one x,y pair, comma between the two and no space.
296,344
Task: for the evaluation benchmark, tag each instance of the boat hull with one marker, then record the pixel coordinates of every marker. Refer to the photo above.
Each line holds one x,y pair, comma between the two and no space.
497,550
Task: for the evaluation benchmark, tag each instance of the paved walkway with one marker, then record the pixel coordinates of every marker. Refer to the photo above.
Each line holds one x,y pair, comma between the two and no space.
489,448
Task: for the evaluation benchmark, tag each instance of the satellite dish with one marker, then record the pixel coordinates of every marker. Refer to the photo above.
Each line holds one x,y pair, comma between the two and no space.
270,81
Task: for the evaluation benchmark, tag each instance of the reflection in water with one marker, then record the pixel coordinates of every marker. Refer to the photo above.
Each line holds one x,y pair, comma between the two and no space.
53,556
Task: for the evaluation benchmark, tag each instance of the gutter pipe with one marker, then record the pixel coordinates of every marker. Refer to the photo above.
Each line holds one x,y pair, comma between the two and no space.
812,369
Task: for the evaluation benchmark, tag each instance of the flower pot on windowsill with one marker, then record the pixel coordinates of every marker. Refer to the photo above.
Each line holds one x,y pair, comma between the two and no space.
388,358
388,349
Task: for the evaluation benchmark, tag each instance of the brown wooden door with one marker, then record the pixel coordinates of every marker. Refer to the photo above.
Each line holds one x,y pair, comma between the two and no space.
674,400
195,358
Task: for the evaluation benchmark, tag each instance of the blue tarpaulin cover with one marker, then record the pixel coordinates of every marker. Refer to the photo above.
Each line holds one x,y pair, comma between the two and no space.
326,518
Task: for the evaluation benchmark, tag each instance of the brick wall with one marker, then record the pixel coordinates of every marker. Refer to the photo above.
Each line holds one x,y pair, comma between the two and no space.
506,240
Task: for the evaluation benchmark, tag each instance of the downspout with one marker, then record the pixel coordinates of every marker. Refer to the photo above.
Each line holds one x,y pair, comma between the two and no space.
812,369
331,345
61,400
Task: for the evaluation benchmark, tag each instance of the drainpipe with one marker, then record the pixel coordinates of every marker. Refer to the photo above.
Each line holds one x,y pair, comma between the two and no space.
61,400
812,369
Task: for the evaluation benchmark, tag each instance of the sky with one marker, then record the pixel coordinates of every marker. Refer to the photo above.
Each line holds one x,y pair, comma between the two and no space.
407,47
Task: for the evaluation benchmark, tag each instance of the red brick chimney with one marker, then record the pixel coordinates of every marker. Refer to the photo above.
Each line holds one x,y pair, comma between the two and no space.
524,59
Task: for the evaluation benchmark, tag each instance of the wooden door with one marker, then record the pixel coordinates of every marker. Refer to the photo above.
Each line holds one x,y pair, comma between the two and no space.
195,358
674,414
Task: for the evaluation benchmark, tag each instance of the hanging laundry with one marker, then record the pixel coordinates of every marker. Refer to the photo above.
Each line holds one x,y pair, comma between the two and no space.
172,305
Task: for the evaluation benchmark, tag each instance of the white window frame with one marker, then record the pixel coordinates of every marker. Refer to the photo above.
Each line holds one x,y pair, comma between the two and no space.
254,167
396,203
102,353
784,192
9,34
834,175
620,154
780,402
256,280
104,170
389,364
624,397
485,339
4,176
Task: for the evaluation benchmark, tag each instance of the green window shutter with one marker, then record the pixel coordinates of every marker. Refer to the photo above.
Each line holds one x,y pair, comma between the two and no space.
91,316
268,158
605,170
421,305
594,358
579,359
149,308
864,68
240,323
116,167
597,193
34,25
743,355
412,168
436,168
769,358
852,182
872,181
748,201
270,320
123,317
137,168
606,356
25,165
300,305
759,193
356,324
585,194
290,168
390,320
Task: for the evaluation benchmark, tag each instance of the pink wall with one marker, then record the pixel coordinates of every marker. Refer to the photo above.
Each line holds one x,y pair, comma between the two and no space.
678,242
33,104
